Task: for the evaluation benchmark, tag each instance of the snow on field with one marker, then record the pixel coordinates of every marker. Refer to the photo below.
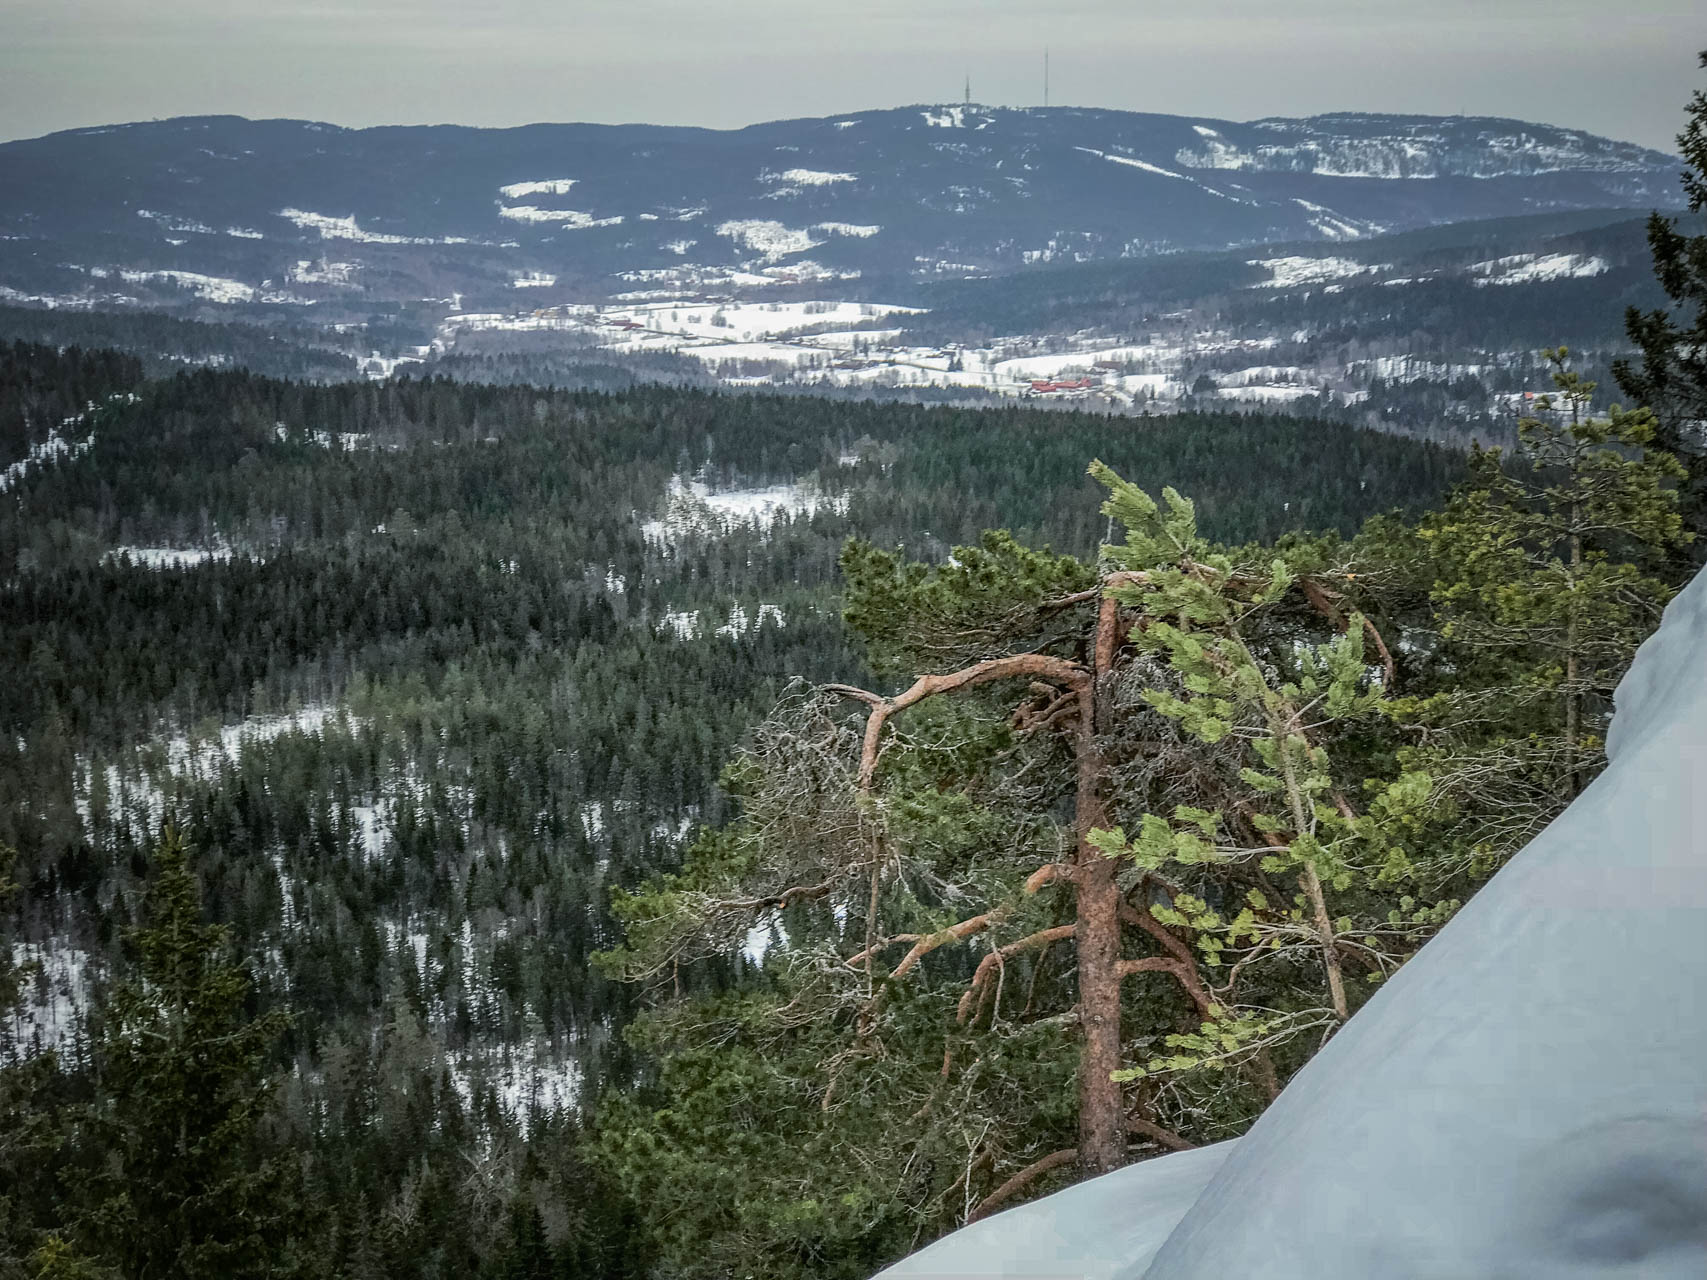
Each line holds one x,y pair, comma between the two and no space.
1150,386
692,509
323,272
53,998
567,219
771,239
1529,268
859,230
1279,393
1288,273
244,233
748,321
168,557
847,339
213,288
808,177
334,228
534,280
542,187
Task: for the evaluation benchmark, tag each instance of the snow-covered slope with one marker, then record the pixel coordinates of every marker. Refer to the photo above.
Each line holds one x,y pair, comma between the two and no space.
1525,1100
225,211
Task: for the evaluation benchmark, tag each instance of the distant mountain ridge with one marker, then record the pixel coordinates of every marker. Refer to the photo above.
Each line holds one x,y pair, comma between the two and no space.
275,213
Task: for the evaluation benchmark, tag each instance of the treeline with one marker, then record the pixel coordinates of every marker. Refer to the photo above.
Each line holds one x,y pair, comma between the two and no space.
167,343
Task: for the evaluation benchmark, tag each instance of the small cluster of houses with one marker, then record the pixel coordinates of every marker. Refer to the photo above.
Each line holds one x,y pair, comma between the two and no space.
1046,386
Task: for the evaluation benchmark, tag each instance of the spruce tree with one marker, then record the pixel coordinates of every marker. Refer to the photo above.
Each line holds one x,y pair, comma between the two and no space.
185,1186
1548,575
1672,341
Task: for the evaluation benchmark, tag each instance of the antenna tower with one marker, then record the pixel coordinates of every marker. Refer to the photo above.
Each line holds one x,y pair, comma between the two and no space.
1046,75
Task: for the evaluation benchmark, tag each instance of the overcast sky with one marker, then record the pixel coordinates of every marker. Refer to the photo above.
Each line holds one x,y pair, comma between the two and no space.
1619,67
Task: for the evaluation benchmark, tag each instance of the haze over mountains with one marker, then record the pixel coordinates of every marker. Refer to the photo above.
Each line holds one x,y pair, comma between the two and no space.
294,214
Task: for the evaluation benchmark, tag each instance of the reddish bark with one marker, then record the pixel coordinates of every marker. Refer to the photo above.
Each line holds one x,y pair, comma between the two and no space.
1020,1181
1102,1132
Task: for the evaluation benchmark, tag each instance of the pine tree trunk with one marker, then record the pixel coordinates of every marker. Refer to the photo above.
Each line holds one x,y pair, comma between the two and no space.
1573,671
1102,1117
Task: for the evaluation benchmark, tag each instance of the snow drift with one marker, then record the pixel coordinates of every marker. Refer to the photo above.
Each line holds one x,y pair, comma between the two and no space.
1525,1099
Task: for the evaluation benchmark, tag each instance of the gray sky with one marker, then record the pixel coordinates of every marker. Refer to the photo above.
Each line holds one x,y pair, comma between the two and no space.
1619,67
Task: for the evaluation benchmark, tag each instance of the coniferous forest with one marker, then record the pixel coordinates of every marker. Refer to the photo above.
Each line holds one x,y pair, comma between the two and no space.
455,829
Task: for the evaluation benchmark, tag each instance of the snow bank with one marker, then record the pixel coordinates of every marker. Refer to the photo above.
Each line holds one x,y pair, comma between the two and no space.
1524,1099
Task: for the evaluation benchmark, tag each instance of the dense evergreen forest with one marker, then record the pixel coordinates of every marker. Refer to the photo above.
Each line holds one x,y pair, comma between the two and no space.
418,672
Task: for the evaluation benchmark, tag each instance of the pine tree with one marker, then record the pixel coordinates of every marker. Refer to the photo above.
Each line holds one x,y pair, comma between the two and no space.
1672,378
1272,860
1548,576
185,1185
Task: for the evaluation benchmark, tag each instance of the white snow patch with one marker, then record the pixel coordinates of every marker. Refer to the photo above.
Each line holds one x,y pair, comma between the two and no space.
542,187
771,239
567,219
323,272
213,288
809,177
1529,268
56,448
346,228
168,557
859,230
692,509
1137,164
52,999
1288,273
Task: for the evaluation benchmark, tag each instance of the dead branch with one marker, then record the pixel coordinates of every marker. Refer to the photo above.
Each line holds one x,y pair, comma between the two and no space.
1021,1180
986,966
954,933
783,899
1040,665
1162,1137
1187,963
1046,874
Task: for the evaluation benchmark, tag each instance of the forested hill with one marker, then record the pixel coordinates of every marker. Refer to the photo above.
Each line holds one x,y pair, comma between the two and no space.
288,214
421,670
